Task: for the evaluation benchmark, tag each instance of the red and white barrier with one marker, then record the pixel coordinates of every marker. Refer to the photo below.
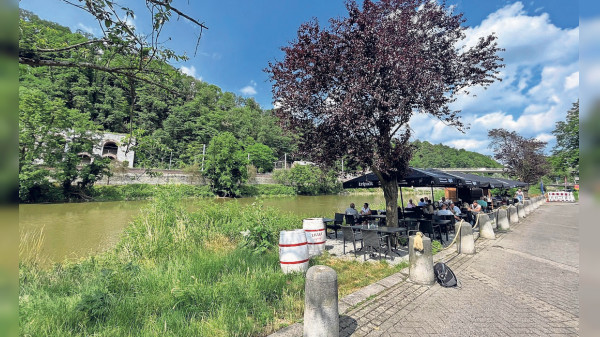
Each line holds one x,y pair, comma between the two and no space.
560,197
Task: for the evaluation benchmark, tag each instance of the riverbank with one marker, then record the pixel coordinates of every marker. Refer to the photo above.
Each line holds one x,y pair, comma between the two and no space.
147,191
177,272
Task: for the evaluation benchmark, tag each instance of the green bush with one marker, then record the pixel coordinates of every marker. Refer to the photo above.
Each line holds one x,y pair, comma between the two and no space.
266,189
147,191
308,180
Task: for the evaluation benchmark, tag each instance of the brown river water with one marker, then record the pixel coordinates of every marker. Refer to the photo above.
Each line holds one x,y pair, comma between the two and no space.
75,230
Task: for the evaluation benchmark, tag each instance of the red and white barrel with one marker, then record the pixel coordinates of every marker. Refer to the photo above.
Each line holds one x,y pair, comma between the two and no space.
315,235
293,251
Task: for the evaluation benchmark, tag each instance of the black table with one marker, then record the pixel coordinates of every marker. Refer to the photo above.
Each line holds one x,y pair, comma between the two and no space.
442,223
383,229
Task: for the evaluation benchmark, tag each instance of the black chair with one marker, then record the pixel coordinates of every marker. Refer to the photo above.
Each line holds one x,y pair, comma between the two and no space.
427,227
338,220
350,220
373,212
373,242
350,236
445,228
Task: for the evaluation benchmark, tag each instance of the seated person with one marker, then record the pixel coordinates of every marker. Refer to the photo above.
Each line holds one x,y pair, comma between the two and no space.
352,211
444,201
365,210
483,203
422,202
454,209
475,207
444,210
428,208
410,204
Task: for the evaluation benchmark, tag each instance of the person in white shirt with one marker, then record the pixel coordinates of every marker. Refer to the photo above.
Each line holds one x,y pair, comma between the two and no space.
410,204
365,210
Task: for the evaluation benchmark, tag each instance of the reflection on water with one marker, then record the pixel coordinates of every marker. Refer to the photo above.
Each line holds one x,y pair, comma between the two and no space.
78,229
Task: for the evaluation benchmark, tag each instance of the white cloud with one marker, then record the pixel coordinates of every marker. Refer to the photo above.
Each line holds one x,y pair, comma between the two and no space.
540,81
190,71
545,137
131,22
467,144
87,29
572,81
249,90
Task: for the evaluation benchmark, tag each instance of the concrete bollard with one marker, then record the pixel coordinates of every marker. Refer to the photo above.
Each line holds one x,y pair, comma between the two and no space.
494,218
527,207
485,227
520,211
513,217
502,220
465,244
421,263
321,314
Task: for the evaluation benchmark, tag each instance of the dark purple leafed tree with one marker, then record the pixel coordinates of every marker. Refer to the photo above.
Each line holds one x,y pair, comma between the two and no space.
349,90
523,157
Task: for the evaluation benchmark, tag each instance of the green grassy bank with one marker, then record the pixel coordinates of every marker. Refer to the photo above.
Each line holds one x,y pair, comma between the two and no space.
180,273
146,191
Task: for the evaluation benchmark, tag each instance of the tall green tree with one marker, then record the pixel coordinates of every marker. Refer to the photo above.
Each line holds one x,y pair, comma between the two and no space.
565,155
350,89
226,165
51,139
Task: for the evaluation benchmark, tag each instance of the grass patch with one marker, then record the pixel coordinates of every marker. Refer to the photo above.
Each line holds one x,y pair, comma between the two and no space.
180,273
353,275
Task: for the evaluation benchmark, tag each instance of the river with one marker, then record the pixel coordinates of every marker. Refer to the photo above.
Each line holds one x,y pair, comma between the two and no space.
75,230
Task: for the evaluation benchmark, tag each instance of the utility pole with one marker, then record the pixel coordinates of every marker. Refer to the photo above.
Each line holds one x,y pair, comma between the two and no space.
203,149
342,166
170,158
285,160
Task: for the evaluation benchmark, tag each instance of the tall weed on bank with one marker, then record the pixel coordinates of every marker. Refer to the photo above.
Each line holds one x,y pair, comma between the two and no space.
173,273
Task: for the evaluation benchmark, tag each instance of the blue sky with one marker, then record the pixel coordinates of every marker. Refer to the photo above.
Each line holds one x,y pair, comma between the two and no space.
540,80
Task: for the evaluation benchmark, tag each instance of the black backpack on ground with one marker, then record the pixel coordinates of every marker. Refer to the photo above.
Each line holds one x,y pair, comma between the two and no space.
444,275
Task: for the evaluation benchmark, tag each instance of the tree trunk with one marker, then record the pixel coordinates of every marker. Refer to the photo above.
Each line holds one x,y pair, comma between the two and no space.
390,193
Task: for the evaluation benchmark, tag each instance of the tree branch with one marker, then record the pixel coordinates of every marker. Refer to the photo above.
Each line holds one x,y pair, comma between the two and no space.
41,50
166,5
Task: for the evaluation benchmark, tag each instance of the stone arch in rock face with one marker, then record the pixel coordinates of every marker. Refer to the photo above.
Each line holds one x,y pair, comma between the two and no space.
85,158
109,149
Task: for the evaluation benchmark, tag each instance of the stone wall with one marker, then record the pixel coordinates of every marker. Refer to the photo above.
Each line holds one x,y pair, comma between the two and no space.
163,177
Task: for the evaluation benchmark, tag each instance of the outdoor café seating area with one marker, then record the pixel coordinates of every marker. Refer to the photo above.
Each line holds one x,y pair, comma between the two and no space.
369,237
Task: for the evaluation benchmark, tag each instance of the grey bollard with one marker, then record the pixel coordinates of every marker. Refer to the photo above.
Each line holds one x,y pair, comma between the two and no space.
494,218
485,227
421,263
527,207
520,211
512,214
321,314
465,244
502,220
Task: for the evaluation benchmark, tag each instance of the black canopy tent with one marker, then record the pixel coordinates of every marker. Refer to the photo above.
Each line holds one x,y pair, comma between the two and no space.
435,178
481,181
414,178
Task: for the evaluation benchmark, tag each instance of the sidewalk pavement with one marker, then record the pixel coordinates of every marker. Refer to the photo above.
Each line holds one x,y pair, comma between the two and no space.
525,282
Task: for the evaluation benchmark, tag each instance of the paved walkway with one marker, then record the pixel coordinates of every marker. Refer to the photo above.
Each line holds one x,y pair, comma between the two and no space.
526,282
